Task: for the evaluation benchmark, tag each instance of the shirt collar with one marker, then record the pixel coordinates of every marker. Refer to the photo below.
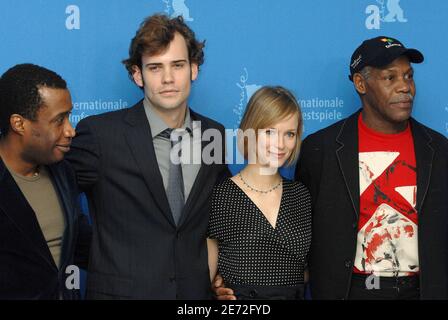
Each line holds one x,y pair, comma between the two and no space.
158,125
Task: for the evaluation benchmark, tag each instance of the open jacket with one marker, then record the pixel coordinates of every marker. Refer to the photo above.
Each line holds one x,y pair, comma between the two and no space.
328,166
27,269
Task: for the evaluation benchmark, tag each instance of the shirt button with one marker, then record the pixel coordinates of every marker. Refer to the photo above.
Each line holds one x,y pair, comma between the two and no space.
348,263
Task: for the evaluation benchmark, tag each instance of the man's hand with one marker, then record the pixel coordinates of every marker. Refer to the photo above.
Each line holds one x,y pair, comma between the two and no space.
221,292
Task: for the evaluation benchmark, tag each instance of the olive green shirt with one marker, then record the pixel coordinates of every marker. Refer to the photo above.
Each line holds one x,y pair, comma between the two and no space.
42,196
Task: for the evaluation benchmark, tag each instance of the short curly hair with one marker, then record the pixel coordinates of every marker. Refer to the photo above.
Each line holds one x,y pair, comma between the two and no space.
155,34
19,91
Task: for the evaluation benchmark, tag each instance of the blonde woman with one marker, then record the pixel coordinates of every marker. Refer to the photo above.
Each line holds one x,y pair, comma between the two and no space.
260,223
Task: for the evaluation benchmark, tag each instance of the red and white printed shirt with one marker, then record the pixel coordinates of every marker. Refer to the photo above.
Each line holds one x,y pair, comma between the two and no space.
387,229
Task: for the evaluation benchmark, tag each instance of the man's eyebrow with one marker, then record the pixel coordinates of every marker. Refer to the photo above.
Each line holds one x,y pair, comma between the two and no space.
61,115
160,63
395,69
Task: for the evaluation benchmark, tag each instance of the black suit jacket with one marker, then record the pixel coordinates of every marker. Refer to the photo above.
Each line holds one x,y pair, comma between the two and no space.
328,166
137,250
27,269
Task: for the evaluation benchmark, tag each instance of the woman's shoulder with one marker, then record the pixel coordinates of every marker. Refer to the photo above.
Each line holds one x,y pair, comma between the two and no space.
224,184
224,187
296,187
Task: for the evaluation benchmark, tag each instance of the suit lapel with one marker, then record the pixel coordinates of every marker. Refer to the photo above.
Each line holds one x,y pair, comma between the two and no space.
347,155
139,139
16,207
424,155
198,185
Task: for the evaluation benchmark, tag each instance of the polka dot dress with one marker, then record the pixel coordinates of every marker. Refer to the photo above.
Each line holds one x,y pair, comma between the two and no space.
251,251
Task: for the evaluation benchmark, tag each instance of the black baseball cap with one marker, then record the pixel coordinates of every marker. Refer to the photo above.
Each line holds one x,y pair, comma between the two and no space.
379,52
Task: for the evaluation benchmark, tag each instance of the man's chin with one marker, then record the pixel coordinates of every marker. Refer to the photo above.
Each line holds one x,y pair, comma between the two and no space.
172,107
54,159
168,104
401,116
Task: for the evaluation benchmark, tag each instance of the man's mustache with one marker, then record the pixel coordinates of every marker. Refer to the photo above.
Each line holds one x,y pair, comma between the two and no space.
405,97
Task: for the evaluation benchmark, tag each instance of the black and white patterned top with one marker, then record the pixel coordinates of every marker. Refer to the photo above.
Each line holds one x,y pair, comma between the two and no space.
251,251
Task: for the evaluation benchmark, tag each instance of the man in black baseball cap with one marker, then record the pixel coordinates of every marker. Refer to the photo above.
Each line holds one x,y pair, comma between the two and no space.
381,71
378,180
379,52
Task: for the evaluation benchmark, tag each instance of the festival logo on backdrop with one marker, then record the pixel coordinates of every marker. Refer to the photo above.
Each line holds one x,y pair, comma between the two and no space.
176,8
384,11
73,19
246,91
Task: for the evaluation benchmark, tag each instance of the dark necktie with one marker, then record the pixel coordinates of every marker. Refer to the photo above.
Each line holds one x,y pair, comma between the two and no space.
175,189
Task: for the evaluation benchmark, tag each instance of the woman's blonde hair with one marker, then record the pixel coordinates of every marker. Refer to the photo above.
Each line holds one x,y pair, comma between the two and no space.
268,106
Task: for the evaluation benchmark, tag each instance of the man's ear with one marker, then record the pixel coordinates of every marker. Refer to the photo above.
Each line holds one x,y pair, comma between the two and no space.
194,71
137,76
360,83
17,123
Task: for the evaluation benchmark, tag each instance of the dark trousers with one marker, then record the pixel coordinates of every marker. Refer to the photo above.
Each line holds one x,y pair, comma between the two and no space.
243,292
389,288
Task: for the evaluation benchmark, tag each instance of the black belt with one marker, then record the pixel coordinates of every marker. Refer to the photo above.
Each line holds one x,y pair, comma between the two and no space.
390,282
248,292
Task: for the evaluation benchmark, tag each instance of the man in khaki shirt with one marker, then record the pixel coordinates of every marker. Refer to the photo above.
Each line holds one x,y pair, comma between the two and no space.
43,237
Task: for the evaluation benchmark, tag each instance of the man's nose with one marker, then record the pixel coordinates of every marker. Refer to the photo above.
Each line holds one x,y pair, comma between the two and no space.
167,76
69,131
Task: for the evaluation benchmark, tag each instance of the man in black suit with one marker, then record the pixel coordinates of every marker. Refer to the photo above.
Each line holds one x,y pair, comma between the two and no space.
379,185
150,213
43,237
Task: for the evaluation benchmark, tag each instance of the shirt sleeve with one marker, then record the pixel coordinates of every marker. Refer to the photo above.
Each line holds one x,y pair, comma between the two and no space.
85,155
